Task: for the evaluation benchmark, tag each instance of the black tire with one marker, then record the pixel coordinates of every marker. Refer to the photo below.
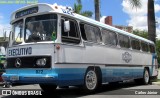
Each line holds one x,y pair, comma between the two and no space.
92,80
48,88
146,77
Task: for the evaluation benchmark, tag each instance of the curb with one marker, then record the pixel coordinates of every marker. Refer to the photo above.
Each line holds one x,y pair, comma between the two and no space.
156,83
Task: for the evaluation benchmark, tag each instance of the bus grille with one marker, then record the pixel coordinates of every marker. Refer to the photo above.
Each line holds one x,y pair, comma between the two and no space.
28,62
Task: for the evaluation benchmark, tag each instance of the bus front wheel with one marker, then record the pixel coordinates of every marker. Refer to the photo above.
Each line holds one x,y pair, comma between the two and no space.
48,88
91,80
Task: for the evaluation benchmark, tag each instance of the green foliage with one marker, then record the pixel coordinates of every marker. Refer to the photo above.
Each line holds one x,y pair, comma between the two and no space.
158,50
143,33
78,9
135,3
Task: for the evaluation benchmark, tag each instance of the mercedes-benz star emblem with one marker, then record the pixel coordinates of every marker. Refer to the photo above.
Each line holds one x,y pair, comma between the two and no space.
18,63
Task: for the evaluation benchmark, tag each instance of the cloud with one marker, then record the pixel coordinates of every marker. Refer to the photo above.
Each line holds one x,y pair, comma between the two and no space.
102,19
138,17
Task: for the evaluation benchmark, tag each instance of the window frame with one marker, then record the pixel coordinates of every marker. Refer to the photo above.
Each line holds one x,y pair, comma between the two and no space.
98,28
131,39
129,42
109,32
78,39
154,51
145,43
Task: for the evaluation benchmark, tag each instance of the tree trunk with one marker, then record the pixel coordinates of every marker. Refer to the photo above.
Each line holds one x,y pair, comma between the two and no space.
97,9
151,21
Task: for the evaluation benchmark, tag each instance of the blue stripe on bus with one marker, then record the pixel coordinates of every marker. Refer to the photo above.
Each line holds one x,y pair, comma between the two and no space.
153,58
72,76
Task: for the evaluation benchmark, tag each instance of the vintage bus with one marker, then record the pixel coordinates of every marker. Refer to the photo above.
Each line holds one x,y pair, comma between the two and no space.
52,46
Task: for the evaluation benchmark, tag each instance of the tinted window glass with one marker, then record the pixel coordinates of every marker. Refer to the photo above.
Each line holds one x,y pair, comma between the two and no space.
124,41
83,31
90,33
109,37
41,28
144,46
152,48
135,44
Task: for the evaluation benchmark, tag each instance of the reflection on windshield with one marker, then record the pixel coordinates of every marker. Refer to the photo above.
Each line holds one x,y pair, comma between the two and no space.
17,27
40,30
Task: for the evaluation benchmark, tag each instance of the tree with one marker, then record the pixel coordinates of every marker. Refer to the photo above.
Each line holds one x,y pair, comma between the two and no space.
134,3
150,18
151,21
97,9
158,50
143,33
78,9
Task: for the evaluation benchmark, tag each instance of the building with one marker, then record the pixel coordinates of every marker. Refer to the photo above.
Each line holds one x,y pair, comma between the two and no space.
108,20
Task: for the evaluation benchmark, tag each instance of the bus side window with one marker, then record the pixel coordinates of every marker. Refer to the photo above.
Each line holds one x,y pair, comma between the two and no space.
73,35
135,44
83,31
152,48
92,33
109,37
144,46
124,41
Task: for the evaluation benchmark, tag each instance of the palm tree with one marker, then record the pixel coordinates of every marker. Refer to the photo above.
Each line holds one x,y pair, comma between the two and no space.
134,3
151,21
150,18
97,9
78,9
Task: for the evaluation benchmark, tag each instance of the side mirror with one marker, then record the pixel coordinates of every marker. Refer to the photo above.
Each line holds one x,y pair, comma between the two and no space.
66,26
2,51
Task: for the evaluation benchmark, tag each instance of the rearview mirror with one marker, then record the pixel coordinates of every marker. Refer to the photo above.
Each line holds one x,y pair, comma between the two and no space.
66,26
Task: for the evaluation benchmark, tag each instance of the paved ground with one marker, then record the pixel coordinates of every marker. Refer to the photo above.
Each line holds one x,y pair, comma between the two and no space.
123,90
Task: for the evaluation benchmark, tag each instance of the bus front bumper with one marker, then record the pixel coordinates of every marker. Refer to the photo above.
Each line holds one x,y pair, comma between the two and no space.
30,79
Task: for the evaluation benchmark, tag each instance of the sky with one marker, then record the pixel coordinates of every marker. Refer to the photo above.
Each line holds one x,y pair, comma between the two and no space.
120,10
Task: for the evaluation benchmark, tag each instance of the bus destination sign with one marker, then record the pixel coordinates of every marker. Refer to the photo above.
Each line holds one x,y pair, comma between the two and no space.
26,12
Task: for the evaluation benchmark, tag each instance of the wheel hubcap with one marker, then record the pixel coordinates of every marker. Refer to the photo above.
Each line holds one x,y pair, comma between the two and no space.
146,76
91,80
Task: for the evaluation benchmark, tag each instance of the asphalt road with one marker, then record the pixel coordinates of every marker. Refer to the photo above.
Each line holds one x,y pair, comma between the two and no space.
122,90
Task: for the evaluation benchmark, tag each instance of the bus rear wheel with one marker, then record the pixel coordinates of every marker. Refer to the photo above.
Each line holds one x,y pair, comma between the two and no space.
91,80
48,88
146,77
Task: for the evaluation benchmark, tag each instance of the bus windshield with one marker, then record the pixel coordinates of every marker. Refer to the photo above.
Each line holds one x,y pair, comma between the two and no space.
17,29
41,28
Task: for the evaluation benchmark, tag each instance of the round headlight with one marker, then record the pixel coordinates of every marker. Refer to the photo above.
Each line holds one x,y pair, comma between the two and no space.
41,62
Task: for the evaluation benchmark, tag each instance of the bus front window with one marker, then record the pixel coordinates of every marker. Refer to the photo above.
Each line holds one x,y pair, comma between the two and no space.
41,28
17,32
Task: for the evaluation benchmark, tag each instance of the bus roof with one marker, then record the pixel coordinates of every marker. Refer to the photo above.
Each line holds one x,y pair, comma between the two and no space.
43,7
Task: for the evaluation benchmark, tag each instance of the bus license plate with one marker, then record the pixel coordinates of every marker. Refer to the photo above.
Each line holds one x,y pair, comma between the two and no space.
14,78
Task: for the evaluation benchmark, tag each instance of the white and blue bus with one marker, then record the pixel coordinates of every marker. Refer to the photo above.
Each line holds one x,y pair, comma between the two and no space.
52,46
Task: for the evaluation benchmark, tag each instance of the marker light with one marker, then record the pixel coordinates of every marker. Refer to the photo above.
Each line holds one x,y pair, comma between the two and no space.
58,47
56,7
41,62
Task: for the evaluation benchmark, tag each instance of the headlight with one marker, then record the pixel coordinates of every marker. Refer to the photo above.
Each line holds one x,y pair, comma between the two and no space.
41,62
